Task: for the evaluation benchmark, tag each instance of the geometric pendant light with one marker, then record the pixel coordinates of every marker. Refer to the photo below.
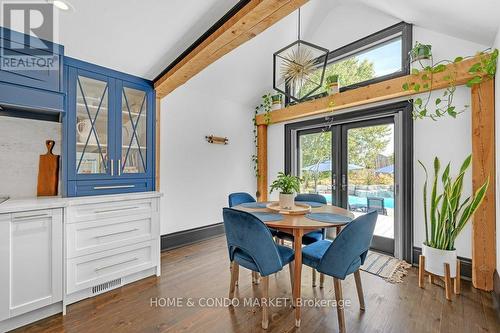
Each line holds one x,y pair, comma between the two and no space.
299,68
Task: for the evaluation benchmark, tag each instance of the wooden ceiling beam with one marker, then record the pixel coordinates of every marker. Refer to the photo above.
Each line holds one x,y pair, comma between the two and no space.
248,22
377,92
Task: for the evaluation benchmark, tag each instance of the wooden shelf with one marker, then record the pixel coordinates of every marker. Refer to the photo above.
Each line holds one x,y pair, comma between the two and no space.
377,92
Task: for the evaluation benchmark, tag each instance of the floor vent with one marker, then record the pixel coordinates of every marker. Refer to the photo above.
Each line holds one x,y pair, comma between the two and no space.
106,285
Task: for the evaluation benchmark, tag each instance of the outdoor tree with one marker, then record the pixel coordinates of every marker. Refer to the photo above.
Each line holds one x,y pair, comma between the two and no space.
316,148
365,144
350,71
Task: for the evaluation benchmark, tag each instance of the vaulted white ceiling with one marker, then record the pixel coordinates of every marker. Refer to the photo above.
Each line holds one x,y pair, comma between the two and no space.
139,37
142,37
474,20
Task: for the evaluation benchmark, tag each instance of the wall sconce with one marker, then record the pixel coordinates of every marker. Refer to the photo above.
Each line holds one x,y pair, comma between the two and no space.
217,140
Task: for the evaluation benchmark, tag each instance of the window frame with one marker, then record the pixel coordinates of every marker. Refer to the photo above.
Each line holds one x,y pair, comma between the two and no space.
377,39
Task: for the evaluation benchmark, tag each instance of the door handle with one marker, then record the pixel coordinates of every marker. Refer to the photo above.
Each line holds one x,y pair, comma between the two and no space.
334,182
112,162
344,182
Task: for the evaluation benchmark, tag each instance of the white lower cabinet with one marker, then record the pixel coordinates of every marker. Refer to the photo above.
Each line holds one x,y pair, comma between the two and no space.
31,257
89,245
110,242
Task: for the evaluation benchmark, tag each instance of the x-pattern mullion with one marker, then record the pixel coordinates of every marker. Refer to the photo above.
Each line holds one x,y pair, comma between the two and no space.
92,122
134,130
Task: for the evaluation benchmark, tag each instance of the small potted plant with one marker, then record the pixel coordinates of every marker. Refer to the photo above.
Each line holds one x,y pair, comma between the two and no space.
448,215
288,185
277,101
332,84
421,53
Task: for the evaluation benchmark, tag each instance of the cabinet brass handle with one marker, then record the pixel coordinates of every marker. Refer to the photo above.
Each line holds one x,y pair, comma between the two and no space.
115,264
117,233
112,187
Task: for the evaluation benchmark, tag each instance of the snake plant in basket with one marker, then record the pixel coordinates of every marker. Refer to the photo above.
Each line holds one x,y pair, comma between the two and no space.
448,215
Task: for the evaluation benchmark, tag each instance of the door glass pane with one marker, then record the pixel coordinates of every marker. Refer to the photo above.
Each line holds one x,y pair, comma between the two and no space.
315,163
370,176
134,135
91,126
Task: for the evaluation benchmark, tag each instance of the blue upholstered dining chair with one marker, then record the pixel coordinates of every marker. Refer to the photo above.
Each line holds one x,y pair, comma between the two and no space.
343,256
239,198
310,237
251,245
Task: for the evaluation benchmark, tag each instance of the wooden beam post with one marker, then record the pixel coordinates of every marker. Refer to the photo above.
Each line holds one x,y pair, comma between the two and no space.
483,166
262,162
373,93
248,22
157,143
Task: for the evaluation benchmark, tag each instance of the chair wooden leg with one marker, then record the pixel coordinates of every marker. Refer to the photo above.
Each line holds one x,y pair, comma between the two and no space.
234,276
337,284
421,271
447,281
265,303
321,280
457,279
290,269
313,277
359,288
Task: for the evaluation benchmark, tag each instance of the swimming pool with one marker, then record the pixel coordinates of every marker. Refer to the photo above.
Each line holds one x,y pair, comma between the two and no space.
388,202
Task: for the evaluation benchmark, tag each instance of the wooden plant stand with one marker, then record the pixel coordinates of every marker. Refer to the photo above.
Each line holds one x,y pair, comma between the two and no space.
446,278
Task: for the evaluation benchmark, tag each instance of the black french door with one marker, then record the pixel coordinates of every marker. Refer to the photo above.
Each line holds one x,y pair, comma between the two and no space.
352,165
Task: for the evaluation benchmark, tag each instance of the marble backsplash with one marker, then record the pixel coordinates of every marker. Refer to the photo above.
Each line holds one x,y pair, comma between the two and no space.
22,141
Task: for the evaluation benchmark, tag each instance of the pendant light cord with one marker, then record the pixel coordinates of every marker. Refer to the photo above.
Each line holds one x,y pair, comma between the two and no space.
298,26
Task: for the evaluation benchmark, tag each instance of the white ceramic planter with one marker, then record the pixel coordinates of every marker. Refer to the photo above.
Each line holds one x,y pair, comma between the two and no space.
435,260
287,201
333,88
276,106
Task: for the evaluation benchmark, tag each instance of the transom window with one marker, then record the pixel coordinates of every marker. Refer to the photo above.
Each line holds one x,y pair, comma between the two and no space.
380,56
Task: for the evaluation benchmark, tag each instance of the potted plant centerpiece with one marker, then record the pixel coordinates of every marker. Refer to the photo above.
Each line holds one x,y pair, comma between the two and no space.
448,215
288,186
421,53
277,101
332,84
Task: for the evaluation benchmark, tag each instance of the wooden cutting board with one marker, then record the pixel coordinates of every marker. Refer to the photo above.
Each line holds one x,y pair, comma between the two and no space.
48,172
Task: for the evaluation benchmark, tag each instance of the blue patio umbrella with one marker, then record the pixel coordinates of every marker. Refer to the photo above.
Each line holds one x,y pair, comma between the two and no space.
387,169
327,166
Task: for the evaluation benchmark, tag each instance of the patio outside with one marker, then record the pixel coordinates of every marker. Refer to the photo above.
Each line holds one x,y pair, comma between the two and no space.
370,176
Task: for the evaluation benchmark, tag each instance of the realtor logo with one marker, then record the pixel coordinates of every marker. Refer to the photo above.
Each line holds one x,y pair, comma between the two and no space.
25,43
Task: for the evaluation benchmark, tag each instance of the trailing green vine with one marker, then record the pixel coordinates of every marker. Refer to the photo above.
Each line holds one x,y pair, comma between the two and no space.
444,104
265,108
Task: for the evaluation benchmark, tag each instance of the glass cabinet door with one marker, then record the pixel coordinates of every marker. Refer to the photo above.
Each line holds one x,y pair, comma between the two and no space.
92,110
134,131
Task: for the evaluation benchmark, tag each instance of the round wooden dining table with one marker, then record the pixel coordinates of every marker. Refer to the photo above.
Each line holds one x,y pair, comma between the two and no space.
298,225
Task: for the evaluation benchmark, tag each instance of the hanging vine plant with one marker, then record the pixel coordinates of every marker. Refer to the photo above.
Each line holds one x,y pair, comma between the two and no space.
265,108
444,104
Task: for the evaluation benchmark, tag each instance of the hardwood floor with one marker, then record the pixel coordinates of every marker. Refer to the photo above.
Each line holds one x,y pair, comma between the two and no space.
201,271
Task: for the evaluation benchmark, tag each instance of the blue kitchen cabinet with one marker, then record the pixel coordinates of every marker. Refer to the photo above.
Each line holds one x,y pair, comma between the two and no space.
31,73
109,131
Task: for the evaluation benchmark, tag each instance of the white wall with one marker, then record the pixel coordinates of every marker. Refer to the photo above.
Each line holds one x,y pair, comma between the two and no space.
22,142
196,176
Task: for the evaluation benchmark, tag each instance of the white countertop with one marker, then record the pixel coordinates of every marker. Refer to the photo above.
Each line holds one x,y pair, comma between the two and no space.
27,204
